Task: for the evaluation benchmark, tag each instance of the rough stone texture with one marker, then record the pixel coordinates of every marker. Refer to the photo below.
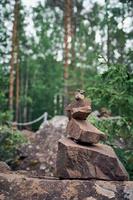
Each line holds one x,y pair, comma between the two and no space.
4,168
83,131
19,187
81,112
79,109
87,162
58,121
38,157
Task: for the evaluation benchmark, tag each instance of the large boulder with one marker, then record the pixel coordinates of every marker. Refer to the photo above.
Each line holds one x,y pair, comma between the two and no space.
58,121
19,187
99,161
4,168
38,157
83,131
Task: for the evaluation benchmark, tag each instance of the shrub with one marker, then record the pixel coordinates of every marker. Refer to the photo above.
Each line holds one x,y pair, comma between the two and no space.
10,140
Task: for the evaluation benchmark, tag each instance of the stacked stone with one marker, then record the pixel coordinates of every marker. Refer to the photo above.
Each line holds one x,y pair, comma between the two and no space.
81,156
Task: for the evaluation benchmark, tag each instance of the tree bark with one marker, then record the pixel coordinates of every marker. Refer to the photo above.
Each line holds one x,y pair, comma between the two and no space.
68,33
17,91
26,94
14,54
108,33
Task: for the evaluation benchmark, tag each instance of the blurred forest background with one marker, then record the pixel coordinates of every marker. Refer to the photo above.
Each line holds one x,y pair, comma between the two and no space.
50,48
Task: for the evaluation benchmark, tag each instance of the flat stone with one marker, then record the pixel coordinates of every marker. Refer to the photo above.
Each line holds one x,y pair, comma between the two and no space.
79,109
18,187
83,131
80,113
88,162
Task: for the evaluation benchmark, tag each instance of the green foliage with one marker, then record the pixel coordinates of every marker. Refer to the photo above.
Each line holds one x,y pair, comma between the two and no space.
5,117
113,89
126,157
10,140
120,137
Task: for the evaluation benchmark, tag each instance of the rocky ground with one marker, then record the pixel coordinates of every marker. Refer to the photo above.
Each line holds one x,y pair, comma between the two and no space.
35,166
38,157
15,186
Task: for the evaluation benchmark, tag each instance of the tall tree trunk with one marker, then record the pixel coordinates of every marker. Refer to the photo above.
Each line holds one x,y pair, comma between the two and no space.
73,34
108,33
17,91
14,54
26,94
68,32
17,69
21,94
122,45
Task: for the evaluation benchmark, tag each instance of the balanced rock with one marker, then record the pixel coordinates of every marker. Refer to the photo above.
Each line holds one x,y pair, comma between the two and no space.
80,108
80,113
83,131
76,161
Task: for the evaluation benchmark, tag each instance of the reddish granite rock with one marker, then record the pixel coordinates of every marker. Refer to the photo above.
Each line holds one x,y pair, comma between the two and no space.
88,162
83,131
38,156
4,168
19,187
80,108
81,112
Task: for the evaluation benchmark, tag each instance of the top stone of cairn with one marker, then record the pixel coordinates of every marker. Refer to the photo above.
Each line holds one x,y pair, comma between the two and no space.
80,108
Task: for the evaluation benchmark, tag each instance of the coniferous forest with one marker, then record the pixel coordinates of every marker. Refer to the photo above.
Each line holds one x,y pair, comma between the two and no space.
50,48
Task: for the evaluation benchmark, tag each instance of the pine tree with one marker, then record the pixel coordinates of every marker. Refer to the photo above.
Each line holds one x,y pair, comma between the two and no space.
14,58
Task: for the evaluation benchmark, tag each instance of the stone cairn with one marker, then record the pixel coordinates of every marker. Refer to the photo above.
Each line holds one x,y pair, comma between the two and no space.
81,156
